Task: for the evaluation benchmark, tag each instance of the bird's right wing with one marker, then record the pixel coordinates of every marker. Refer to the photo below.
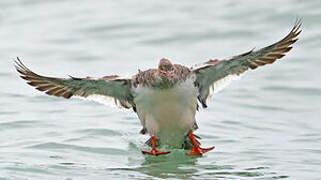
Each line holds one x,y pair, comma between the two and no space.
104,90
214,72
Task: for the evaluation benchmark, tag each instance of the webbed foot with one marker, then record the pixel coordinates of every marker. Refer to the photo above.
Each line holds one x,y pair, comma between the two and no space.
197,150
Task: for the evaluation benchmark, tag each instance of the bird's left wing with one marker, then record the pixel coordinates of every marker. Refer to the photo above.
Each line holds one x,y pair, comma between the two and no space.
211,76
104,90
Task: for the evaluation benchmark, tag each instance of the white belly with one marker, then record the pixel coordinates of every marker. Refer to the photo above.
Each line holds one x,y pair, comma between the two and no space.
168,114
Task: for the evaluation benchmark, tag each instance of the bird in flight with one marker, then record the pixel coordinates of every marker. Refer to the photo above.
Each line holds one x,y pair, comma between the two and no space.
167,98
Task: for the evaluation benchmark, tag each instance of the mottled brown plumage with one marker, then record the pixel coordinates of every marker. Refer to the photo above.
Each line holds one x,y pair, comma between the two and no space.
152,77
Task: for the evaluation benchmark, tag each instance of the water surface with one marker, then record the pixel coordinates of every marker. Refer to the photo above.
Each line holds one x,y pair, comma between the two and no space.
264,126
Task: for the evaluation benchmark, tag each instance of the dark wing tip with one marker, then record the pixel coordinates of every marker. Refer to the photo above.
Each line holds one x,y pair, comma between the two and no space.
278,49
19,65
297,26
298,23
295,31
270,54
22,69
42,83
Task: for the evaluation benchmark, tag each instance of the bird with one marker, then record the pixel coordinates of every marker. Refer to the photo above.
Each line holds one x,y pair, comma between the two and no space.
165,98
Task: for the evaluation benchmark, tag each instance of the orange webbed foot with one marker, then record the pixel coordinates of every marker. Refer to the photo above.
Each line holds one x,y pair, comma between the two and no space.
154,151
197,150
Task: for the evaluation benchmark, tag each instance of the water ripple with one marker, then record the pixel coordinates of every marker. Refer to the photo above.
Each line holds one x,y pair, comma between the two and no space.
57,146
99,131
266,126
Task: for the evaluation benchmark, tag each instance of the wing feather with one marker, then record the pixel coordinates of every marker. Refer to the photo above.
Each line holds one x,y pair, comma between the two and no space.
113,88
211,72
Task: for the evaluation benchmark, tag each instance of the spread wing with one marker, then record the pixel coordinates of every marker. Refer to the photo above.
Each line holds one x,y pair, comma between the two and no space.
101,90
210,75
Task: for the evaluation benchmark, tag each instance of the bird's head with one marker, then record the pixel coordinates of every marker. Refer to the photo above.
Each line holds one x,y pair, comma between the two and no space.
166,68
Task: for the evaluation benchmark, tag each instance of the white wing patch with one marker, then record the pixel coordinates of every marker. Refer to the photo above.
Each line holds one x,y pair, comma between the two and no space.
222,83
106,100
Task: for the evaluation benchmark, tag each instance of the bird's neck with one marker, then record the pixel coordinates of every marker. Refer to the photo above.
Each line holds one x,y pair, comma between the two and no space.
163,82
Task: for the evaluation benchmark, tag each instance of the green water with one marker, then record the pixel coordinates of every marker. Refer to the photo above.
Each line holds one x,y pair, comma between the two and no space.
264,126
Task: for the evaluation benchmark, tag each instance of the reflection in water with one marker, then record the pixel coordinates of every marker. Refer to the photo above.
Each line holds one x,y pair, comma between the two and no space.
179,165
176,164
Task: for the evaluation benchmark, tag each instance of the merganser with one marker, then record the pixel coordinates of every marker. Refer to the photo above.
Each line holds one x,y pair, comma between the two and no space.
167,98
